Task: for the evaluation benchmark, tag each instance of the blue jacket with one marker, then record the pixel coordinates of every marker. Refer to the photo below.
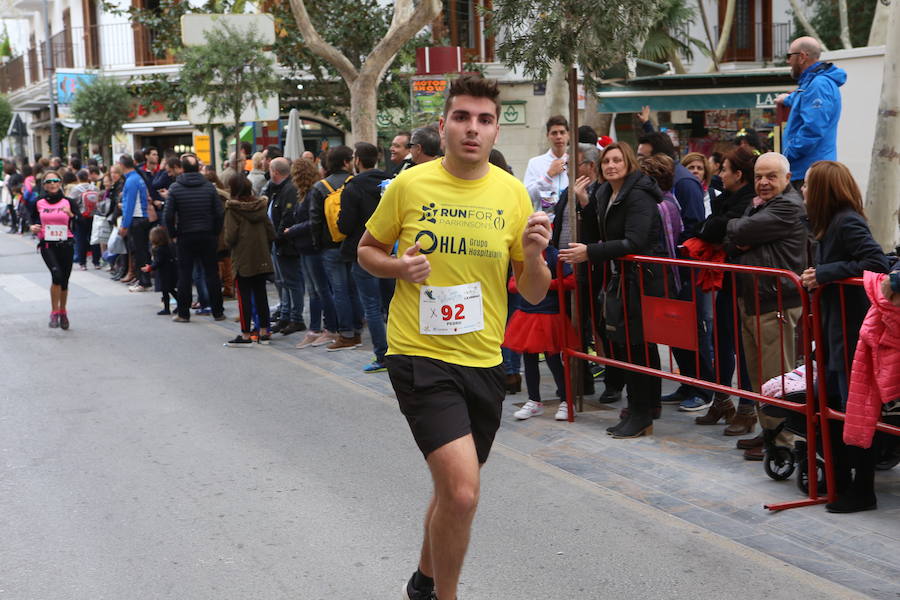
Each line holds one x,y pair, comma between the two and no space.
135,189
811,131
688,191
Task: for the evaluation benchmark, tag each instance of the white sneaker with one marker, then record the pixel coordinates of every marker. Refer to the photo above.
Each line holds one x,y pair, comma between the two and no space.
562,413
530,409
326,337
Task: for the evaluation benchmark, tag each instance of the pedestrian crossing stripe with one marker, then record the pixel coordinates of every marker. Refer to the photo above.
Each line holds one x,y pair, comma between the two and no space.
23,289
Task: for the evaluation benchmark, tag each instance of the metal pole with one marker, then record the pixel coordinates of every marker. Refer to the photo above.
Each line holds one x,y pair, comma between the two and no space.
577,366
48,64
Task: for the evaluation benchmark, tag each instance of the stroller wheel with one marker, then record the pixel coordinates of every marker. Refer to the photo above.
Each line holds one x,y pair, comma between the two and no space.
779,463
803,476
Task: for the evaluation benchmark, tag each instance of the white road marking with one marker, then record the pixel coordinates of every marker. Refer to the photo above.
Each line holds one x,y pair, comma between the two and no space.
102,286
23,289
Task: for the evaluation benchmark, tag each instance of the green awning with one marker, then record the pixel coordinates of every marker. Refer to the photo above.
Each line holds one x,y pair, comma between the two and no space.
247,134
687,101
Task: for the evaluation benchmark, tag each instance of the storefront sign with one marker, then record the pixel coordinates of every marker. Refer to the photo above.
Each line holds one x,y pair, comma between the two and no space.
202,148
685,100
428,96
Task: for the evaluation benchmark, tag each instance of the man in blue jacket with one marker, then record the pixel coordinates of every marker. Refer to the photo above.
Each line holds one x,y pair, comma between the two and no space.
135,227
811,131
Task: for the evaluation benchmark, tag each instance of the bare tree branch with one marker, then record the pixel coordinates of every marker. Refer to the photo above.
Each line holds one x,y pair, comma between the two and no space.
725,34
801,16
319,46
712,47
845,24
407,22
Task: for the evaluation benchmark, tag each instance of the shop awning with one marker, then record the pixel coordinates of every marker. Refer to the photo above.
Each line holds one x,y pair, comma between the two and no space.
688,99
247,134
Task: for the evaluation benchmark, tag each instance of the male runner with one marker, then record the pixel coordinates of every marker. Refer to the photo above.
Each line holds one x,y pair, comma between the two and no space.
459,222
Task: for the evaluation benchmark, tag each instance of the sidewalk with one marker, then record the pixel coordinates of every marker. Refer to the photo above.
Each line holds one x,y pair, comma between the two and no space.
693,473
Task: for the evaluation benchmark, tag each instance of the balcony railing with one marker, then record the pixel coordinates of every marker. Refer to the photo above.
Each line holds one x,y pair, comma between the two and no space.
12,75
754,42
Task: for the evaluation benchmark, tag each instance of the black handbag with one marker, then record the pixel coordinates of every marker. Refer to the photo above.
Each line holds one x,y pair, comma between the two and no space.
613,311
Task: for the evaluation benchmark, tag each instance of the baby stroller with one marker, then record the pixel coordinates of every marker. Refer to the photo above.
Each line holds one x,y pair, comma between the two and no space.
780,462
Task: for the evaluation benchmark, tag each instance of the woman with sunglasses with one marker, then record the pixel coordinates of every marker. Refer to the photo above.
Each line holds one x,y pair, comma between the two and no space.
52,217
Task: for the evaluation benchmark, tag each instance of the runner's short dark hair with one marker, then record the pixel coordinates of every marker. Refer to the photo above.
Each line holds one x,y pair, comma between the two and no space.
366,153
473,84
558,120
126,161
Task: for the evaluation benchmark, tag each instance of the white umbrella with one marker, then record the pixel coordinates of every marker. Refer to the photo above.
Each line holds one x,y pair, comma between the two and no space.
293,145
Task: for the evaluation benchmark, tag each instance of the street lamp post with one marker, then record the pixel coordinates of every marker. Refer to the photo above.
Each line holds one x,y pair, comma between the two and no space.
48,63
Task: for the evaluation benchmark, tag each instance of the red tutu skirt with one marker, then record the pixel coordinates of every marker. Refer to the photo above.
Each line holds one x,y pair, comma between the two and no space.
534,333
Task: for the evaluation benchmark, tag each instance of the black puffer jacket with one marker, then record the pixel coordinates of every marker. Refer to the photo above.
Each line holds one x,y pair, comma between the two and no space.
775,234
358,201
631,225
193,206
282,203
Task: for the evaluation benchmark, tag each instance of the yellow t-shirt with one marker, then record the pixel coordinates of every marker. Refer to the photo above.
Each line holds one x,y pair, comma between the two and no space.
469,230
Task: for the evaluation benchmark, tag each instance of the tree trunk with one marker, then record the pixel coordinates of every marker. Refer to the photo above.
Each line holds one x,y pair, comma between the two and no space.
878,33
883,195
676,62
810,30
724,35
407,21
237,141
712,47
557,95
845,24
363,109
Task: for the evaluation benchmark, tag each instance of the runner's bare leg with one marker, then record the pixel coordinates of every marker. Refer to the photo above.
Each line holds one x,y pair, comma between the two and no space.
455,470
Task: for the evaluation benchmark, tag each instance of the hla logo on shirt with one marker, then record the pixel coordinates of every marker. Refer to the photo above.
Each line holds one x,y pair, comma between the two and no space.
452,244
464,216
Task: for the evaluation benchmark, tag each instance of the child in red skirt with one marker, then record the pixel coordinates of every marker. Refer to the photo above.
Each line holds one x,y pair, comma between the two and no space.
537,328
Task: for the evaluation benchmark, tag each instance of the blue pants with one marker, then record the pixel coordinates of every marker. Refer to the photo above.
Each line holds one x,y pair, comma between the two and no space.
292,289
82,235
687,359
321,300
346,300
369,290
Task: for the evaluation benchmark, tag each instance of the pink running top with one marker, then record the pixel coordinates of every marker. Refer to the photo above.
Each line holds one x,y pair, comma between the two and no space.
53,214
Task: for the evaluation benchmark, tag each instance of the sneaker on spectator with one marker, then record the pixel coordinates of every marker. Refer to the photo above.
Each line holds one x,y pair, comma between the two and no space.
264,339
239,342
138,288
309,339
344,343
326,337
220,317
180,319
695,403
562,413
374,367
529,409
293,327
676,397
203,310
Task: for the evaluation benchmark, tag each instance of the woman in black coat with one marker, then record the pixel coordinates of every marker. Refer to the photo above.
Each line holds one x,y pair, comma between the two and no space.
846,249
628,222
737,179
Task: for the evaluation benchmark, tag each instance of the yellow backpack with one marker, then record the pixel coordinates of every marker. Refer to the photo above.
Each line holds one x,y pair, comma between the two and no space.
333,209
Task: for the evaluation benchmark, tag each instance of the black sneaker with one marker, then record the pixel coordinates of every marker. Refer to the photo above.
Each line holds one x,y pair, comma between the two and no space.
240,342
265,339
165,311
412,593
293,327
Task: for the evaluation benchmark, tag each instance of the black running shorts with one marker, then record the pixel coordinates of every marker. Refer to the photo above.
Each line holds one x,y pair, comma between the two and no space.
443,402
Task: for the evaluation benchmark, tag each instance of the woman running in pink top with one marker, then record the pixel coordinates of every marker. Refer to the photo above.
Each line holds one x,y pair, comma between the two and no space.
52,216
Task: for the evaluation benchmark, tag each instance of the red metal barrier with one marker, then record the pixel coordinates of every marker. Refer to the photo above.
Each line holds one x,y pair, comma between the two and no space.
826,413
673,322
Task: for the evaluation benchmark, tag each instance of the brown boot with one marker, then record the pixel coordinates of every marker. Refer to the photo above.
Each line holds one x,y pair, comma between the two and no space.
719,409
513,383
741,424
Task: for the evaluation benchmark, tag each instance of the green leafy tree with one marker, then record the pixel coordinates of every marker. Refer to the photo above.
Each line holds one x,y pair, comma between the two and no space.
101,107
229,73
825,19
594,35
6,115
668,38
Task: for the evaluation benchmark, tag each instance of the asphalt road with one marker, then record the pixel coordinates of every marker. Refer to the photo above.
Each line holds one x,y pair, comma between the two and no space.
143,460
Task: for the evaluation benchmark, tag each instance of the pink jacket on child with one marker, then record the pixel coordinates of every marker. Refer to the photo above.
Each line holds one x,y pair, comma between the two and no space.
875,377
